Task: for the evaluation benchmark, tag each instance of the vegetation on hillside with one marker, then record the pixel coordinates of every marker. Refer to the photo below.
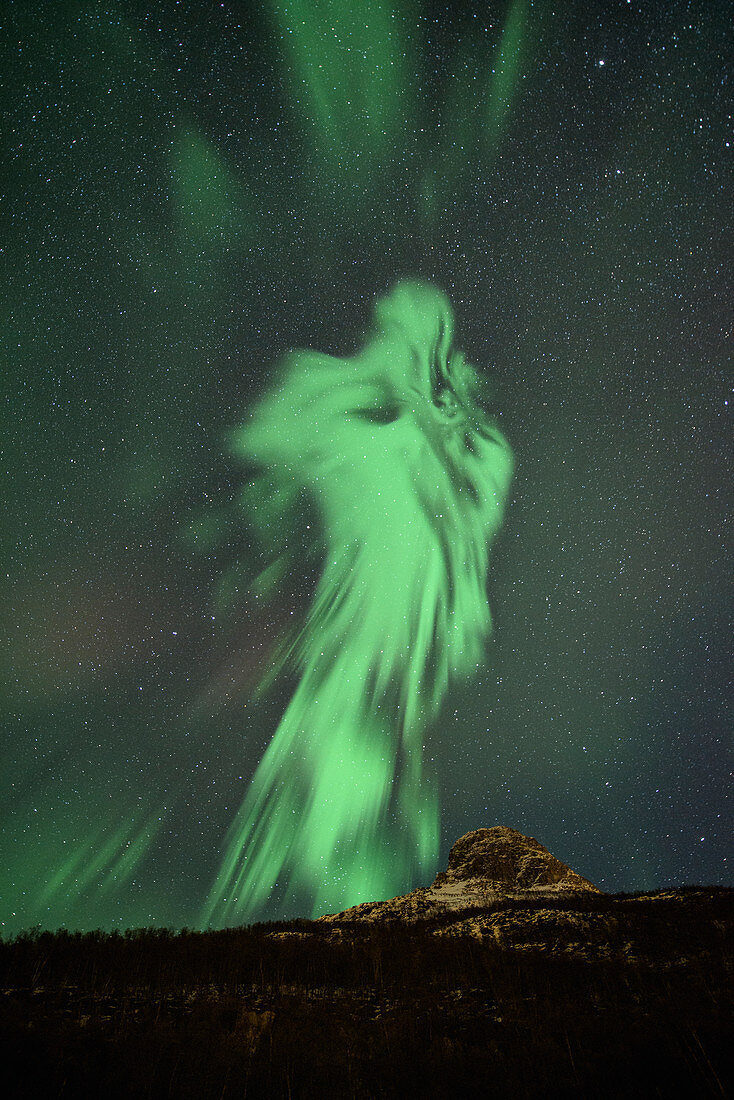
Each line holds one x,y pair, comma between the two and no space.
593,995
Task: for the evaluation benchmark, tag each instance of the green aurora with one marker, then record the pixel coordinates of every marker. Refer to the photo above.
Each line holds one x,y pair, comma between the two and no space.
408,479
350,82
194,189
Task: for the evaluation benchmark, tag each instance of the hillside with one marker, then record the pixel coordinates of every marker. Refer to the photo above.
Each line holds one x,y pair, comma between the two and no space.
574,993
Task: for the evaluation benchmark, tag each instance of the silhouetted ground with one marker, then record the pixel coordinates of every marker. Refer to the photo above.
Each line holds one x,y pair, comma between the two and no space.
590,996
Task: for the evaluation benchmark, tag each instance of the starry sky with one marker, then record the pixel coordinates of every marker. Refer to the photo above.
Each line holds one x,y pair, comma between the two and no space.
192,189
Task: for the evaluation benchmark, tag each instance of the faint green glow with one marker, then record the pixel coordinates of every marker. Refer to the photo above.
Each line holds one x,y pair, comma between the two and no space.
102,860
125,856
348,76
505,73
454,140
408,478
211,205
84,865
473,110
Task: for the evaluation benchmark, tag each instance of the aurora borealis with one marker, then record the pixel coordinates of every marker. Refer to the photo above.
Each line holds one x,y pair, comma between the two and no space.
406,477
189,194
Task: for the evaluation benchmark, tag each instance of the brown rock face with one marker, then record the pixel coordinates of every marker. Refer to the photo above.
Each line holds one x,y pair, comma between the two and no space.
505,860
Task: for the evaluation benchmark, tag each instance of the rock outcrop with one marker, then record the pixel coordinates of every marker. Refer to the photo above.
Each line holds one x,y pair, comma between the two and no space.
485,866
503,861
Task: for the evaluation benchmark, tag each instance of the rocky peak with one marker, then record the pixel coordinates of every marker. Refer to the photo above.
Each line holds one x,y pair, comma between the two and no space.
504,860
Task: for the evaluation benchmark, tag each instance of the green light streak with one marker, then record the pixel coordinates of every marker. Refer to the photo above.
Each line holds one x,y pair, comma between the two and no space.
85,864
452,141
348,74
129,855
474,110
408,477
505,74
103,860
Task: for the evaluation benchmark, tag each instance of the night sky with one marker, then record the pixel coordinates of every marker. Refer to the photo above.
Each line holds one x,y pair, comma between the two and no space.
189,190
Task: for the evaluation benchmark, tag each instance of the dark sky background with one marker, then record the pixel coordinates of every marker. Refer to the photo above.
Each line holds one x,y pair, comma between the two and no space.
191,189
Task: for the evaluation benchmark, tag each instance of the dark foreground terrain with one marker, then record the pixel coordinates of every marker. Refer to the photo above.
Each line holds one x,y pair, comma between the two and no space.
590,996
